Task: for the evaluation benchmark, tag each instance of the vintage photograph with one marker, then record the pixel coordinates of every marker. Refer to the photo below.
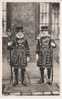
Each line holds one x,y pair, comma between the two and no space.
30,48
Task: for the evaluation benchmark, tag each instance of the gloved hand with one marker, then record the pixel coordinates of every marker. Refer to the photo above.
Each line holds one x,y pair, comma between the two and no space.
53,44
28,59
10,43
36,56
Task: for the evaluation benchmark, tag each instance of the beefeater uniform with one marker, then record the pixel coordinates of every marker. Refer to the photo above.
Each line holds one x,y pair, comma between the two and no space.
45,55
23,53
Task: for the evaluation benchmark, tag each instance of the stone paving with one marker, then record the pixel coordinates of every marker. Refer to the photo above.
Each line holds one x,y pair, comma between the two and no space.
33,87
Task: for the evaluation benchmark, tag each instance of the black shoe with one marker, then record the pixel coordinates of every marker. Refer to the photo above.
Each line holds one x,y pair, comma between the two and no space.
49,83
23,83
15,83
40,81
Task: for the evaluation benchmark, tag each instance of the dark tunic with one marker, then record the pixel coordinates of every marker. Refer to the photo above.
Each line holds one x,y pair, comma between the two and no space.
23,52
19,55
45,54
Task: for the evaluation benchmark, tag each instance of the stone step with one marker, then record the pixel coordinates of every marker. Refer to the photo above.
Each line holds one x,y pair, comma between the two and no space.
32,89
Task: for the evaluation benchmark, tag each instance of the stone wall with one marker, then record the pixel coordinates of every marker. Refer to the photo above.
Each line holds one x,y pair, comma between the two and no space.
5,63
25,14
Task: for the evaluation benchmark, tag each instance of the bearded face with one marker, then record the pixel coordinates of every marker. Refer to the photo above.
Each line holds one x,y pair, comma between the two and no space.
45,41
20,41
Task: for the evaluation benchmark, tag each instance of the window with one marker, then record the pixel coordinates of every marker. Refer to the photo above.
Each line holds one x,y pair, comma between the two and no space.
49,16
55,19
44,14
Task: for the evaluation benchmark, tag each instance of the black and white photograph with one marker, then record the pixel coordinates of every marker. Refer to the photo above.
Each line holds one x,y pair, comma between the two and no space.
30,48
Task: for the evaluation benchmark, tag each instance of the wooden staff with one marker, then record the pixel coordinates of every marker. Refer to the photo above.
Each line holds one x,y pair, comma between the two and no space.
11,80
